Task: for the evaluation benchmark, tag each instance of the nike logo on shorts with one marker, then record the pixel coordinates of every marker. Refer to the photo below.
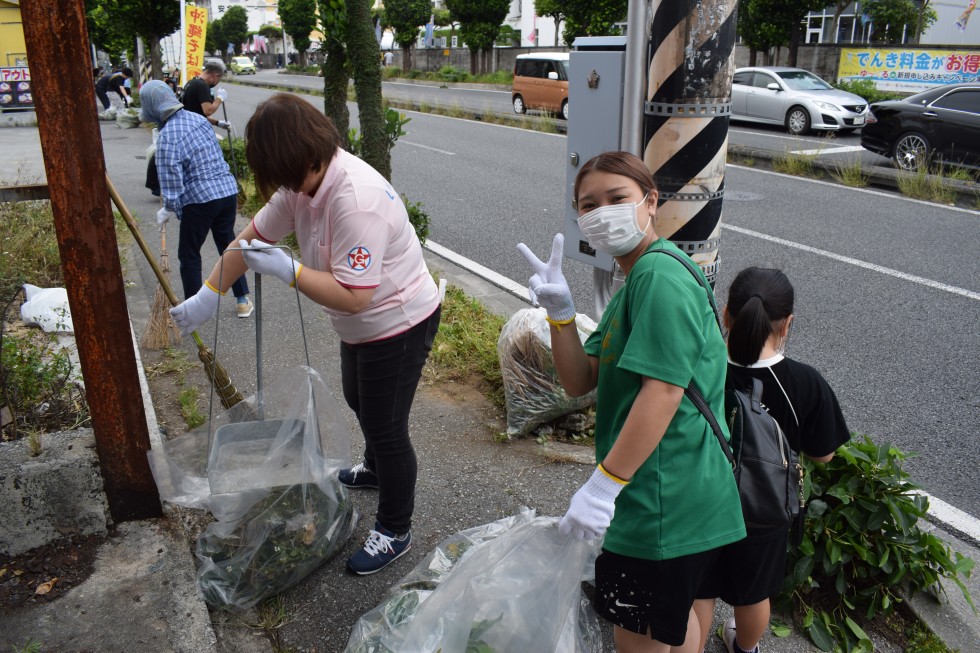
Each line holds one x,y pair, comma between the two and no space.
618,604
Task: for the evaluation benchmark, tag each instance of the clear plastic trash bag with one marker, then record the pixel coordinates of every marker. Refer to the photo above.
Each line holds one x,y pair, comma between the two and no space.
128,118
532,392
511,585
267,471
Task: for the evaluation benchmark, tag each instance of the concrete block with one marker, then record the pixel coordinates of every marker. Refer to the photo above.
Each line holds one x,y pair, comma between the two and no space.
56,494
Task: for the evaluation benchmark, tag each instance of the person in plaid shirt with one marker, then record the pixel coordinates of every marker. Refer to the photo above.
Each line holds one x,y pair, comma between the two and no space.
196,185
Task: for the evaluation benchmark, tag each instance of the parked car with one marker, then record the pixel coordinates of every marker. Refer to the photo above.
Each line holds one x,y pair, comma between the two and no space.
941,124
541,82
795,98
242,66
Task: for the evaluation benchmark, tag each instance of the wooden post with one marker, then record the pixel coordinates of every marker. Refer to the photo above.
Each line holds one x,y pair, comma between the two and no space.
57,50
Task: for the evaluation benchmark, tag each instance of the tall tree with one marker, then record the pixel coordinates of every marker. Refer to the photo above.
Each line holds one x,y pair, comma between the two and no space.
592,17
893,19
479,22
299,19
234,27
336,73
149,19
405,17
215,39
105,33
554,9
365,55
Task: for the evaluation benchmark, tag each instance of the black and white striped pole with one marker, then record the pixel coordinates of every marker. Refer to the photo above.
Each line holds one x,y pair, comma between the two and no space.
685,124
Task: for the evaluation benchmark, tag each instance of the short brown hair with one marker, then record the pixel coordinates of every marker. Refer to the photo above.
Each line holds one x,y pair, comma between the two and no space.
617,163
285,139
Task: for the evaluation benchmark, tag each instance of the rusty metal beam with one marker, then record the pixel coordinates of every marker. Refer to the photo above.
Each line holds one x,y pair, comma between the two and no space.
58,55
24,193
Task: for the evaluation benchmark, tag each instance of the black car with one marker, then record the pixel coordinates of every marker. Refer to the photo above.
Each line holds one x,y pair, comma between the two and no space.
941,124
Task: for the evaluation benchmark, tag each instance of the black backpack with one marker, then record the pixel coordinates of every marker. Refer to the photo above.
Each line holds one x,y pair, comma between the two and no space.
767,470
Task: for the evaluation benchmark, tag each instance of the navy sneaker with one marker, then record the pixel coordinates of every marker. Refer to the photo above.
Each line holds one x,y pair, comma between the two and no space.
380,550
358,476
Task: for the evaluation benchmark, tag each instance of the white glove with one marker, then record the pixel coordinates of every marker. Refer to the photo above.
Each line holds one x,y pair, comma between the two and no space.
195,311
221,94
547,286
163,215
264,258
591,510
224,124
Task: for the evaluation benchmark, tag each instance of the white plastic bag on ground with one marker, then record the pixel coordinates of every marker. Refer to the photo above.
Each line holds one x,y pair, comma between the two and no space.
512,585
128,118
47,308
532,392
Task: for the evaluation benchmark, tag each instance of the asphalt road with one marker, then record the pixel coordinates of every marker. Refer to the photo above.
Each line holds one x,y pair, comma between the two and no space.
888,303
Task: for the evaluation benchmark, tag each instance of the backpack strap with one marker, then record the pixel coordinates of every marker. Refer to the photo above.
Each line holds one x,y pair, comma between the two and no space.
788,402
692,392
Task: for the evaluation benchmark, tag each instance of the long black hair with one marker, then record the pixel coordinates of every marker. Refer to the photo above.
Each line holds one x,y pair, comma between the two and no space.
759,299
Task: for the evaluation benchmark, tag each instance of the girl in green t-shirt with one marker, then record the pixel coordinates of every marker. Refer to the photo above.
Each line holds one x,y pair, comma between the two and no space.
663,496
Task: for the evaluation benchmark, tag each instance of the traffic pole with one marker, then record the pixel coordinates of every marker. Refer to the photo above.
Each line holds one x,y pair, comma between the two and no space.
71,139
686,114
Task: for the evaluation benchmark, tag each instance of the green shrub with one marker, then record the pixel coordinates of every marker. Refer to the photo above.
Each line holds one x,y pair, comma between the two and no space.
413,73
453,74
394,129
866,88
29,247
236,146
418,217
862,546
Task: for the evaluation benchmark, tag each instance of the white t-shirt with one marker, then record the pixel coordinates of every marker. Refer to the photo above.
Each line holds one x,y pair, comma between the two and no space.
356,227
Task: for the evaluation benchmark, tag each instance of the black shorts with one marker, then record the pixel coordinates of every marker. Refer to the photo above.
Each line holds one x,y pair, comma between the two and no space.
652,596
750,570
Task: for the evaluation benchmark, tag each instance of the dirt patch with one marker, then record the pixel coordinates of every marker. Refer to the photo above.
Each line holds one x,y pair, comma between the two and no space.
52,570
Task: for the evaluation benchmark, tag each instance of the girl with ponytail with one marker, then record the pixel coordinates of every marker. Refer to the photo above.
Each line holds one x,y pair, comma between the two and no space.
758,318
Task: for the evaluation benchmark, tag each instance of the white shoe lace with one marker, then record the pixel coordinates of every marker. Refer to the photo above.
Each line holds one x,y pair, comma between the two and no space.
378,543
359,468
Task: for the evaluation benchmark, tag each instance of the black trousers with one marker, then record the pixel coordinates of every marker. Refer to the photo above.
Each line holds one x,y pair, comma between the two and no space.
379,380
197,220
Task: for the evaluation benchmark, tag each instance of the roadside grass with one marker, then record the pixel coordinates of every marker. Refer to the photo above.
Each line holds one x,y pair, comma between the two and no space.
800,165
174,361
923,186
29,247
850,174
190,408
270,617
466,345
740,159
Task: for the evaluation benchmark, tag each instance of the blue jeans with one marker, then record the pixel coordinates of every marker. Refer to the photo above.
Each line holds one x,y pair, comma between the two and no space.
218,218
379,380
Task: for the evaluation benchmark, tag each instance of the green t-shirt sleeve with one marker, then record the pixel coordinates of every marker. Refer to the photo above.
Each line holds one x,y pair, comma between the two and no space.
593,343
666,328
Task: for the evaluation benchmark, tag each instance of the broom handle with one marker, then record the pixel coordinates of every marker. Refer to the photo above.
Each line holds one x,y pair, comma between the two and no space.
163,238
131,223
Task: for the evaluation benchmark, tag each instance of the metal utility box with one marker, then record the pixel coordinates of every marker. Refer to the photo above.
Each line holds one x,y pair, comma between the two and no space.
595,101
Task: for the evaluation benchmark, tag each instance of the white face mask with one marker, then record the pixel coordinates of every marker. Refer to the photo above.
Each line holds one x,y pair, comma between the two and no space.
613,229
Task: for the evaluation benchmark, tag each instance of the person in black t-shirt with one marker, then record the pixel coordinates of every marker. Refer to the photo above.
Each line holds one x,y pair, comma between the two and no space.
113,83
198,97
758,317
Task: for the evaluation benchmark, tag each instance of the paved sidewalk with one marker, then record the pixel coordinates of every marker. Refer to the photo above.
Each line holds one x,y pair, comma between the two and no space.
466,479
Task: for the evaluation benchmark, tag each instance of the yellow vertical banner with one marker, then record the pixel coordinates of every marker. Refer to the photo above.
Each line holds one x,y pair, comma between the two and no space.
196,26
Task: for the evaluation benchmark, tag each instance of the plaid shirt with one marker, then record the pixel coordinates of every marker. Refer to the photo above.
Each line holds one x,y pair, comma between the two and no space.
190,165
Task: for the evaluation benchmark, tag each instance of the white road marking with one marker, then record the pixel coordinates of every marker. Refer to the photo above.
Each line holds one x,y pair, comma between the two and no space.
831,150
426,147
969,294
787,138
941,511
495,278
879,193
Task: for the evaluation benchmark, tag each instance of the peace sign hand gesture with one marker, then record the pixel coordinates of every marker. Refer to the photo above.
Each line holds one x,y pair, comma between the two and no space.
547,285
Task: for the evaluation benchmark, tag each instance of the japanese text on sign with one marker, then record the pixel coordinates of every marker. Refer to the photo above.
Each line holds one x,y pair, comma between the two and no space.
196,25
908,70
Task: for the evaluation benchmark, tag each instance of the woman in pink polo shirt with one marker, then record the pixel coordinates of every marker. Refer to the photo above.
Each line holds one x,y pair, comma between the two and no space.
362,262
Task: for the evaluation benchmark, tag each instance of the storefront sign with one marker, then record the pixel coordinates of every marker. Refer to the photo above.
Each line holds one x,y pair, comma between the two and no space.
15,88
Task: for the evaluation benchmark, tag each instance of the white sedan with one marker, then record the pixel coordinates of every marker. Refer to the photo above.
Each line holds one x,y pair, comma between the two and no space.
795,98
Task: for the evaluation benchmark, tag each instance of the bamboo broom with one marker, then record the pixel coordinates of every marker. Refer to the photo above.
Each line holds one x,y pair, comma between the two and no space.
161,331
219,378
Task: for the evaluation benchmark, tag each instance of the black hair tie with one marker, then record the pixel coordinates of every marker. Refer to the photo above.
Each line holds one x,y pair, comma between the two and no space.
759,296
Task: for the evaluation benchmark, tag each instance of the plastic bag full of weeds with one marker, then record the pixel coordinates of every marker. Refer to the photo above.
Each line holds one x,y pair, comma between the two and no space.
128,118
511,585
267,471
532,392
